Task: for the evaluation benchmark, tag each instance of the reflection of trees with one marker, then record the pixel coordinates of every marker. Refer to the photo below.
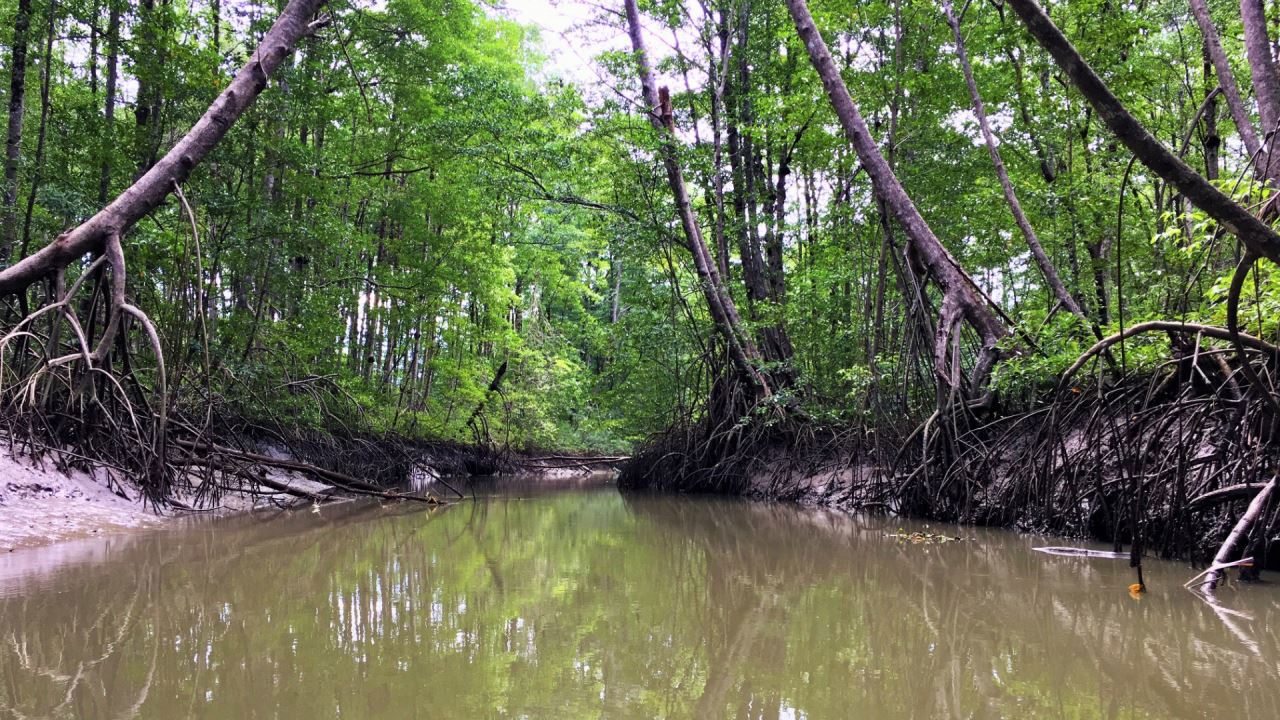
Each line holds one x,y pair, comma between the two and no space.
104,641
980,629
591,605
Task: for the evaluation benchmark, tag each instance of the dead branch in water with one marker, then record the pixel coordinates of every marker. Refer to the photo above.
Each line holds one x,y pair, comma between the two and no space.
336,479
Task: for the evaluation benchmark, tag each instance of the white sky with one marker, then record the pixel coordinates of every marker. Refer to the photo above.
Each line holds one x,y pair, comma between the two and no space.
568,38
575,32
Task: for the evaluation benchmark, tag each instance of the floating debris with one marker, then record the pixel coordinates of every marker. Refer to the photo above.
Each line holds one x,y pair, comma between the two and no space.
922,538
1083,552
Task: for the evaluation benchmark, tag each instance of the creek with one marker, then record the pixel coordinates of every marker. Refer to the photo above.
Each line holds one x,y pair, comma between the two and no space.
581,602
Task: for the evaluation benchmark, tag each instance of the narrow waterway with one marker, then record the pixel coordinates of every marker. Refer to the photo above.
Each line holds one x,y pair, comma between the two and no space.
586,603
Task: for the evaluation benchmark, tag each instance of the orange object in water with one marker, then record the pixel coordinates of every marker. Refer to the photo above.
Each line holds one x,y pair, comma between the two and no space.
1136,590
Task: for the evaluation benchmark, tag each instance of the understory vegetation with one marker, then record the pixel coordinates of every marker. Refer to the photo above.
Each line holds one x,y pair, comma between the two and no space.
989,263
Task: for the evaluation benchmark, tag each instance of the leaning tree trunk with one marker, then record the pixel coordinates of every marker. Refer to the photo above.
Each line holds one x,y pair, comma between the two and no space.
175,167
1227,81
1257,236
1010,195
101,235
1237,536
963,300
1262,68
723,311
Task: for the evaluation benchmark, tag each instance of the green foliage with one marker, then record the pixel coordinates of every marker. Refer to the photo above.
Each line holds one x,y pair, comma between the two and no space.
411,205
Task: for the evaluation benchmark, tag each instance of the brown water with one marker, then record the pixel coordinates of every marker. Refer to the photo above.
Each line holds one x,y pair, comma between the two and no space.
589,604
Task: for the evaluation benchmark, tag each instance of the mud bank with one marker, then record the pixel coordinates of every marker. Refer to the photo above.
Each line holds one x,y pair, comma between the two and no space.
42,503
1160,460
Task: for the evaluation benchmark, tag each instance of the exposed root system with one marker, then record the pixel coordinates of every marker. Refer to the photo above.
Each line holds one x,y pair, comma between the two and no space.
1165,460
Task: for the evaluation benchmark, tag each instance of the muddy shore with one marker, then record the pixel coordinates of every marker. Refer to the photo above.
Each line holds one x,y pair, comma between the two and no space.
43,505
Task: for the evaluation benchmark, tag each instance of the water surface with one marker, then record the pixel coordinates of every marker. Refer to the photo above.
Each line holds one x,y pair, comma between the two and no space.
586,603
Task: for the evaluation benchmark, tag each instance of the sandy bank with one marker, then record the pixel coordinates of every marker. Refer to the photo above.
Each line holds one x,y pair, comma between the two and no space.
41,505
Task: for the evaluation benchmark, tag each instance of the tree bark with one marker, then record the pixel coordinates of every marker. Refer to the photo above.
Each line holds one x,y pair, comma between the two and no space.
720,304
1010,195
1237,535
175,167
963,299
1255,234
1226,78
37,176
109,104
13,140
1262,68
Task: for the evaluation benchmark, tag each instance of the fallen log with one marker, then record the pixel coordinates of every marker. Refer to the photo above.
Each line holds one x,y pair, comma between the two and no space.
332,477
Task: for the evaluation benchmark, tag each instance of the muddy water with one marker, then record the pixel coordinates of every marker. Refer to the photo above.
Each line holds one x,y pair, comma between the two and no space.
588,604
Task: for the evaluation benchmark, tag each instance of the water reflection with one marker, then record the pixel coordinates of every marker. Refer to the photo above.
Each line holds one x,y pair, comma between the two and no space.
588,604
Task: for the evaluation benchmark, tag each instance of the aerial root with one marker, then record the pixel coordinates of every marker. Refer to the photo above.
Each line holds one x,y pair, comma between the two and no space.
61,379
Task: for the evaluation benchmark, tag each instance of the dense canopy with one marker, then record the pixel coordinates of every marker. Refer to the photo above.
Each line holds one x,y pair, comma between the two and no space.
424,227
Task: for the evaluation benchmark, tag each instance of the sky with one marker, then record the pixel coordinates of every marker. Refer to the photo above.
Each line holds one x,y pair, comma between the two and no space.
574,32
568,35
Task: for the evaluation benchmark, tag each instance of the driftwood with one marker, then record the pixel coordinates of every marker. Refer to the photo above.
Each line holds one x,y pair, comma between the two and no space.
1231,545
339,480
1082,552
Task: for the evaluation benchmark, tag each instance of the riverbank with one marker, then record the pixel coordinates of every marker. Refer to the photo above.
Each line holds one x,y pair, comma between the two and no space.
1159,459
44,504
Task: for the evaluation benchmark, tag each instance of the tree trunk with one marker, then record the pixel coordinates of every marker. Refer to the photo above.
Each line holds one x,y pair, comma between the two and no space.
1226,79
1010,195
175,167
1255,234
720,304
42,132
963,299
13,140
109,105
1262,67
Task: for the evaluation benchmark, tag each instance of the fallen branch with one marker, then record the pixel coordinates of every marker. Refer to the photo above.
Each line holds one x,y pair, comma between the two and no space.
1229,546
337,479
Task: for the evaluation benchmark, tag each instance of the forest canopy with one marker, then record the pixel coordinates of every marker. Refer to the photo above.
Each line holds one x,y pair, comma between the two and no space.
422,227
